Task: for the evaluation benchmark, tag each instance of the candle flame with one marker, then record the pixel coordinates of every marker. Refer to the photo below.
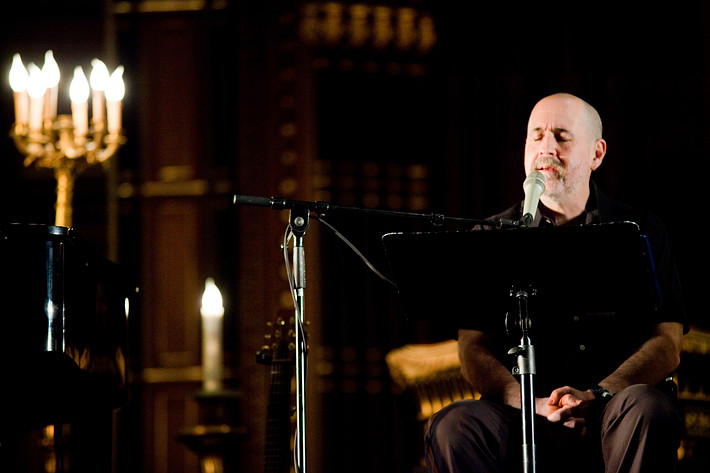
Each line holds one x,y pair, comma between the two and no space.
18,74
50,70
79,87
99,75
212,300
35,83
115,88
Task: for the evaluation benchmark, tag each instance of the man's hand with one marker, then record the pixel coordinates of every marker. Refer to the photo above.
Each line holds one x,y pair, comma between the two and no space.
566,405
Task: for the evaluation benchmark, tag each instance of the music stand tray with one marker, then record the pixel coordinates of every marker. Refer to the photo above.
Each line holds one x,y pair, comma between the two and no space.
451,276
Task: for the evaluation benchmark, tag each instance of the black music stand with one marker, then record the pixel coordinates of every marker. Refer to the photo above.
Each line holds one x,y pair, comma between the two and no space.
453,277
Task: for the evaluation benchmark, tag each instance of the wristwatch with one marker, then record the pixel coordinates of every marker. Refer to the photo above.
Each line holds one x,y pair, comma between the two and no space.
601,394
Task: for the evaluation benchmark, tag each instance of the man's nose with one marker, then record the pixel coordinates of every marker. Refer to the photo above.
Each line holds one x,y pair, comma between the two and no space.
548,145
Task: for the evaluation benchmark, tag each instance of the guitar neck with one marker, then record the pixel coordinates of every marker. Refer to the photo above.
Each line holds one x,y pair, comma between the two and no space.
277,458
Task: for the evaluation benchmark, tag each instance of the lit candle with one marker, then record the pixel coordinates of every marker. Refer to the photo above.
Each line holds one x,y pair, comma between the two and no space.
36,90
212,313
18,82
115,89
79,95
50,75
98,80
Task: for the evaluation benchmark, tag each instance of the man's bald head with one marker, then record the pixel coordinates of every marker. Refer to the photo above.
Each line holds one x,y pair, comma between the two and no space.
592,120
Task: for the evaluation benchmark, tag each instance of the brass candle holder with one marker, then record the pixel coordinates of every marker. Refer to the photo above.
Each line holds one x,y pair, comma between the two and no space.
217,438
66,143
57,148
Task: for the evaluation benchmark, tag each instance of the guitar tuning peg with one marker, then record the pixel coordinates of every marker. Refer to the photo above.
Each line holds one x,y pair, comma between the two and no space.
264,356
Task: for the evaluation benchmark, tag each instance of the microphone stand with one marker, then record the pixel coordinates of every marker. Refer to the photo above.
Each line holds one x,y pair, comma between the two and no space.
300,212
299,221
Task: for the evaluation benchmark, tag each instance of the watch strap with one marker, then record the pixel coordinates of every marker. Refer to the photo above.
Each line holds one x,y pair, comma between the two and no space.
601,394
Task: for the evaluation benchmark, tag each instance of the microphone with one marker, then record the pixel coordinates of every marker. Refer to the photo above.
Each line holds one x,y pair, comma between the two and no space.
534,186
253,200
277,203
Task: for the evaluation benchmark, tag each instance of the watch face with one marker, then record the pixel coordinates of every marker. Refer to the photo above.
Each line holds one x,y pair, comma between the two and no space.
602,393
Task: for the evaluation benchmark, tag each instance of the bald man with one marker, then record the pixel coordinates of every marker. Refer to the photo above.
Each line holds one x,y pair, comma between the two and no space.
596,393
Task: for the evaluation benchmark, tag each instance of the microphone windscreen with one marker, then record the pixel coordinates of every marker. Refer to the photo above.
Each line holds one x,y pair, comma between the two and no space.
253,200
534,186
535,178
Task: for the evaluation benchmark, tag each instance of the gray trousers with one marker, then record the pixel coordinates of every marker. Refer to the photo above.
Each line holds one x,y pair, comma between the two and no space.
638,431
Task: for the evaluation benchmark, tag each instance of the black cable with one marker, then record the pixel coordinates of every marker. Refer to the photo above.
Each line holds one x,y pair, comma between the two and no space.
357,252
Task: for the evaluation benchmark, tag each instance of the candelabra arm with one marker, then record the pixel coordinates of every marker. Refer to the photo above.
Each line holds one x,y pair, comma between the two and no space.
113,141
17,136
32,150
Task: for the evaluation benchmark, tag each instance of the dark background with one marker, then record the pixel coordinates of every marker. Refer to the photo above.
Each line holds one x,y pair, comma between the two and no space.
237,97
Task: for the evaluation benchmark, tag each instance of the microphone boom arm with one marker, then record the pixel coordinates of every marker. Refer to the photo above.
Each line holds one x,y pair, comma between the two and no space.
322,209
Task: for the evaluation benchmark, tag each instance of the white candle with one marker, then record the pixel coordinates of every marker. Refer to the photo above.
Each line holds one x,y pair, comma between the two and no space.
18,82
212,313
115,89
36,90
50,75
79,95
98,79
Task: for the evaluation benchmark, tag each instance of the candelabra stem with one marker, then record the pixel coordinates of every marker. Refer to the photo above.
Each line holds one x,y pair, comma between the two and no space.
65,191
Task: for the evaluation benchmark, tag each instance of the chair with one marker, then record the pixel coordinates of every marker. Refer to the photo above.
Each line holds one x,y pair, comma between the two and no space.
432,372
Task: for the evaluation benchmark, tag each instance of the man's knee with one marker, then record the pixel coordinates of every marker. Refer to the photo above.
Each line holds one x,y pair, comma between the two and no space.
447,424
641,431
644,404
467,436
472,426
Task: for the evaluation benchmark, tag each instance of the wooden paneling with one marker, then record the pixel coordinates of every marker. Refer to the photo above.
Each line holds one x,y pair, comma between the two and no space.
180,196
170,85
276,151
169,408
172,286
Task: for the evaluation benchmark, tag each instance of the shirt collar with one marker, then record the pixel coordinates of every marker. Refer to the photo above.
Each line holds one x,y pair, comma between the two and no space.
597,206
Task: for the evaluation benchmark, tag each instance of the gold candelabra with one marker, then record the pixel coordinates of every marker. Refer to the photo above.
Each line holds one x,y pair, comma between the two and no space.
66,143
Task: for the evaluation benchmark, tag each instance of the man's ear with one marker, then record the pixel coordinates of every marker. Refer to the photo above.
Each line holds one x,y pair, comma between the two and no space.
599,153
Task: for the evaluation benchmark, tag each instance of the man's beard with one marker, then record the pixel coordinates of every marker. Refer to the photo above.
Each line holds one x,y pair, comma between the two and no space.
555,184
546,163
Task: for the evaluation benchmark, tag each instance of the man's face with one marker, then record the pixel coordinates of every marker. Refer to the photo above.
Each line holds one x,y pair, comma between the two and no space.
559,145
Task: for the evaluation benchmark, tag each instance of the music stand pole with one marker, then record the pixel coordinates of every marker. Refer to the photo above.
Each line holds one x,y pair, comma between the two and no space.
299,221
525,368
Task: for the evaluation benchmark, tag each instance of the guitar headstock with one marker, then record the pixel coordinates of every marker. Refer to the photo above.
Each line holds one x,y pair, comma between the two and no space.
279,344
